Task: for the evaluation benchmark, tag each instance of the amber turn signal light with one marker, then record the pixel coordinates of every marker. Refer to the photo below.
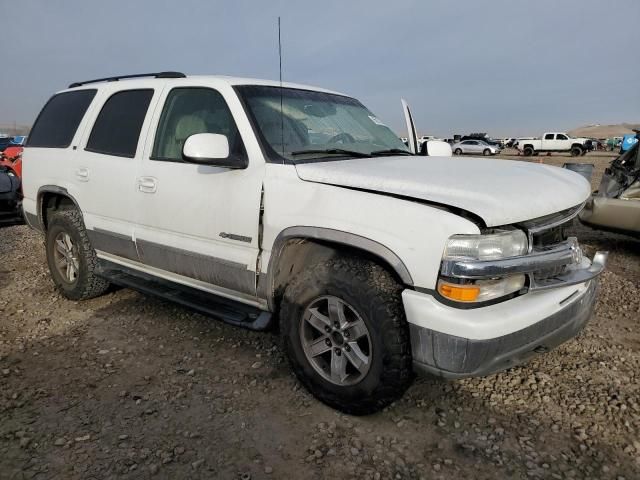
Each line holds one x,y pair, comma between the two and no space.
459,293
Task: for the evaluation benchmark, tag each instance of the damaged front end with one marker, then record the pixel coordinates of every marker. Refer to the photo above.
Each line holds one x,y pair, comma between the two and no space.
615,205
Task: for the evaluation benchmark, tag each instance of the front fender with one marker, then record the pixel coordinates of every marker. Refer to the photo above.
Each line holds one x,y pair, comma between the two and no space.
409,235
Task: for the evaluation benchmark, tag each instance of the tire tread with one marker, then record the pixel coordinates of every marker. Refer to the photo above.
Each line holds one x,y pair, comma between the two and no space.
386,300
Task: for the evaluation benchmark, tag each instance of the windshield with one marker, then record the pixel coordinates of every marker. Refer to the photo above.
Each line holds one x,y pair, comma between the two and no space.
316,125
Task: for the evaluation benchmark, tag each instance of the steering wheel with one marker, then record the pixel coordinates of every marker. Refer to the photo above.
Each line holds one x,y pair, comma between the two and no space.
343,137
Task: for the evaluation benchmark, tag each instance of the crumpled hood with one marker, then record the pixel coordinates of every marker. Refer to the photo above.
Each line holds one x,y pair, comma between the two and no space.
499,191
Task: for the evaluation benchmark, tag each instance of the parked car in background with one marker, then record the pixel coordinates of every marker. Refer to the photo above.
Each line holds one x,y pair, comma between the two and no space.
473,146
4,143
11,158
554,142
483,137
628,141
616,204
19,140
11,185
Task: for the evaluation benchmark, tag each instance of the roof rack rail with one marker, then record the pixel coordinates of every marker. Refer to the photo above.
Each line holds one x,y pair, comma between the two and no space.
137,75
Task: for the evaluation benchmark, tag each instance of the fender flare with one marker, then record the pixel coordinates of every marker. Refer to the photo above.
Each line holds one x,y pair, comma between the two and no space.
333,236
50,189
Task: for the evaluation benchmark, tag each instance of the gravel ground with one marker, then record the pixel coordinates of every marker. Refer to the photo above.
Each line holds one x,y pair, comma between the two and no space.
129,386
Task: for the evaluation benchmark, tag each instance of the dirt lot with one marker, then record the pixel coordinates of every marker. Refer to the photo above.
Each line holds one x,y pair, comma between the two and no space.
128,386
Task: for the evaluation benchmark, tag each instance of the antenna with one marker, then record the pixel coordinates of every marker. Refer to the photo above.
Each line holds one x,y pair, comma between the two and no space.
281,111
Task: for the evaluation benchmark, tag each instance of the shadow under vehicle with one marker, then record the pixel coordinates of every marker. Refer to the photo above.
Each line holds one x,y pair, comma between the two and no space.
615,205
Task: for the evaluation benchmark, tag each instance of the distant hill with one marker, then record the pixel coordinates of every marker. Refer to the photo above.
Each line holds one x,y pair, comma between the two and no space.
604,131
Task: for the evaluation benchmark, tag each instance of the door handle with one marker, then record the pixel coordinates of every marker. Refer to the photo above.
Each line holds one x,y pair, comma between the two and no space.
147,184
83,174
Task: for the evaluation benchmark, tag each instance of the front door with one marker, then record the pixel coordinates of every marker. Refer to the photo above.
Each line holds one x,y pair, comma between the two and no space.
200,223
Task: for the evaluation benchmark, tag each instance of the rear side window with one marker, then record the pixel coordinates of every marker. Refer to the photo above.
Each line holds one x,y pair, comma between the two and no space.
59,119
548,136
117,128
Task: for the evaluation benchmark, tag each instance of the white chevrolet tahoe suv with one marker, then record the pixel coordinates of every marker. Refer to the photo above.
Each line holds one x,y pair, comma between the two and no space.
295,208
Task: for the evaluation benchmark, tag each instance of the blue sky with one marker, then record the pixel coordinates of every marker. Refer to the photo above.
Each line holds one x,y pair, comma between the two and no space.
507,67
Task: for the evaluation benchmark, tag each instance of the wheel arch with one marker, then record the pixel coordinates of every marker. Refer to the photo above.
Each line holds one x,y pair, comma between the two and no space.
52,197
296,247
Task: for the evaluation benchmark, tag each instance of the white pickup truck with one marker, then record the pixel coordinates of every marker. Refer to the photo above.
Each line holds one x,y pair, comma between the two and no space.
554,142
295,208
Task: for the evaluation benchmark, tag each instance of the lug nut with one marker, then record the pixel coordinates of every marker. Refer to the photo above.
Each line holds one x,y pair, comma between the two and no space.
346,334
336,324
327,329
338,352
347,348
328,342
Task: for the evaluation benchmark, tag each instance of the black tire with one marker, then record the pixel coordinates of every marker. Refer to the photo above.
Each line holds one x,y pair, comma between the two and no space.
486,152
376,297
576,151
528,151
457,151
87,284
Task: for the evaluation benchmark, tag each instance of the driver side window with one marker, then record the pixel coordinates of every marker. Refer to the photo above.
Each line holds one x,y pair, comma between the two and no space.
188,111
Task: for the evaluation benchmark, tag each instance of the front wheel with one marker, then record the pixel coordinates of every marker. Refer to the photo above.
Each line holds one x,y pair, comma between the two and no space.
346,335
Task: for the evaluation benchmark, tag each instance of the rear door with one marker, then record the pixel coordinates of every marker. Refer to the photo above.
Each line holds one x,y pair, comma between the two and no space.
199,224
106,165
549,141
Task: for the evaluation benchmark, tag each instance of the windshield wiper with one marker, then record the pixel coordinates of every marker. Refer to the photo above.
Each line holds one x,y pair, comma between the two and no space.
333,151
390,151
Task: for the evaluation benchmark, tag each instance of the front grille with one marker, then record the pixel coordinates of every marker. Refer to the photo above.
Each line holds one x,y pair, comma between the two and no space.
548,232
553,236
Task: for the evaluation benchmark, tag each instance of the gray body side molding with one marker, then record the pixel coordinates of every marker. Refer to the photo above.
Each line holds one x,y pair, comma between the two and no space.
266,288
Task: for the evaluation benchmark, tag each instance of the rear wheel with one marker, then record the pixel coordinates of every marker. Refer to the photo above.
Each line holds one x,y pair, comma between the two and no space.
528,151
346,335
576,151
457,151
486,152
71,259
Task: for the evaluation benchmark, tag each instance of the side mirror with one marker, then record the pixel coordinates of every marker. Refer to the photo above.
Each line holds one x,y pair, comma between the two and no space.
436,148
210,149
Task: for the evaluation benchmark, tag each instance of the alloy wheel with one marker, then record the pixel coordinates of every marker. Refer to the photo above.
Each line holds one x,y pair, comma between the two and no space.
65,254
336,341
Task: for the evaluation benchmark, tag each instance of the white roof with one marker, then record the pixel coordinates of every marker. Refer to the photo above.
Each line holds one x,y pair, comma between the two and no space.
149,81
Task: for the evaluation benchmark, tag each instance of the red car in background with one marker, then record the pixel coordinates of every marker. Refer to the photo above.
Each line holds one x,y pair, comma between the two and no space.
11,158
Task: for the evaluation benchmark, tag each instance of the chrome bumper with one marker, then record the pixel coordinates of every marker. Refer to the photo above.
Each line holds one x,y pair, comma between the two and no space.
566,258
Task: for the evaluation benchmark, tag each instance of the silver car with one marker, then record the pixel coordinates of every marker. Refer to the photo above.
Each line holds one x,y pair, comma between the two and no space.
474,146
